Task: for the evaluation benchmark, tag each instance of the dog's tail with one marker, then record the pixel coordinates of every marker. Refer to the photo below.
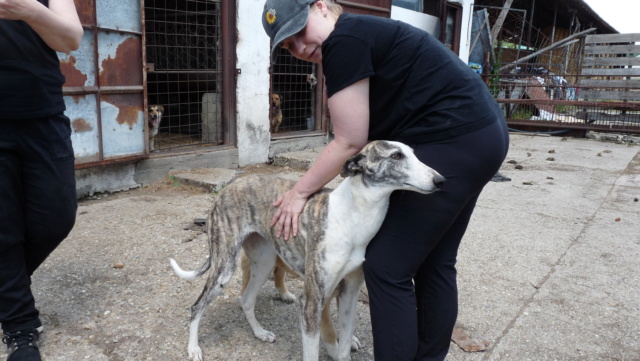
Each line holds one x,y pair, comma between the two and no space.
190,275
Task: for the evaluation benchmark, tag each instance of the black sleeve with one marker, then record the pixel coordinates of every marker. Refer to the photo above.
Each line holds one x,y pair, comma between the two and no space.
345,60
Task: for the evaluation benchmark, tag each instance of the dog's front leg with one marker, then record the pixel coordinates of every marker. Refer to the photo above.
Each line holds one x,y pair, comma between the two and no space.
347,302
311,306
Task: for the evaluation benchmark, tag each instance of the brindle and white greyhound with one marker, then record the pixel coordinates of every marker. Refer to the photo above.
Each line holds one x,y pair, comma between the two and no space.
334,230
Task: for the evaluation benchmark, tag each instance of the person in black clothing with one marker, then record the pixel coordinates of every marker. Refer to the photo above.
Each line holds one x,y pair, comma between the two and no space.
389,80
37,186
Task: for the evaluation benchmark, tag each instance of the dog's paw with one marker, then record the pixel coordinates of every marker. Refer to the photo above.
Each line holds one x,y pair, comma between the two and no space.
332,350
266,336
355,344
288,297
195,353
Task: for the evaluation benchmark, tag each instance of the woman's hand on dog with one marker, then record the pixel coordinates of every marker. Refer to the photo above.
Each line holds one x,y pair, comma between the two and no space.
285,219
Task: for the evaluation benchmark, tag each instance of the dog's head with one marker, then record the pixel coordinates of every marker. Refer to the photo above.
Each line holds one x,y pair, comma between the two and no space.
276,100
155,112
392,164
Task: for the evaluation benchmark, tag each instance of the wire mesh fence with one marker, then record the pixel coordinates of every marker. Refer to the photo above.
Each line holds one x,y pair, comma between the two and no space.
296,83
184,71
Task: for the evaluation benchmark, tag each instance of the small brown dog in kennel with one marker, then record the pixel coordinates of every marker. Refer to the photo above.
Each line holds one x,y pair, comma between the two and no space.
275,112
155,115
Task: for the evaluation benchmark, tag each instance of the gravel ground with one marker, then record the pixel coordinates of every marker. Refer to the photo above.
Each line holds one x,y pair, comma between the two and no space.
549,270
108,292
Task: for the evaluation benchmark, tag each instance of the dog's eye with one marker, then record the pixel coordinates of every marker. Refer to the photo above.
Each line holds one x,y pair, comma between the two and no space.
397,156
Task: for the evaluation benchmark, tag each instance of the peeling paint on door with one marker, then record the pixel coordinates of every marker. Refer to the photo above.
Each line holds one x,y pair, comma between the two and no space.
104,88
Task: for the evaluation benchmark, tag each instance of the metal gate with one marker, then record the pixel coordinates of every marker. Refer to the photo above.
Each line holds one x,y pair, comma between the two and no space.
104,84
184,58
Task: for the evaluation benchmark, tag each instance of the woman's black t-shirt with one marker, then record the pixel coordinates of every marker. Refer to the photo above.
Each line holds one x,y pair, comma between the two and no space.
420,91
30,77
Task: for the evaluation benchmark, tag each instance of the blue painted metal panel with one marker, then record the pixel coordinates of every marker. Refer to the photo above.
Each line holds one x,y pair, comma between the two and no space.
104,89
119,59
122,125
85,135
78,66
121,15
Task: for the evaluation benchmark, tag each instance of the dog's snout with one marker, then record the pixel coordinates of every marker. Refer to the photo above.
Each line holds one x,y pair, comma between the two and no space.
439,181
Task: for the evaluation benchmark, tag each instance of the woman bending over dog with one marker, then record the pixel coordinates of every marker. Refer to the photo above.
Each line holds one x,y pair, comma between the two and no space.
389,80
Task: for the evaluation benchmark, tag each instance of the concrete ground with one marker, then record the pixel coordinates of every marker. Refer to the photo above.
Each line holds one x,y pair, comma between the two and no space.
549,268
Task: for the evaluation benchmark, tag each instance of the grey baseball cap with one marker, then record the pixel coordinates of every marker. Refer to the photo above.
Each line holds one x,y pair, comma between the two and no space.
284,18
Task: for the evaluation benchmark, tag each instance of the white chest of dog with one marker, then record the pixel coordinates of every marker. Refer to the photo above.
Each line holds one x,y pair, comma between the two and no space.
334,230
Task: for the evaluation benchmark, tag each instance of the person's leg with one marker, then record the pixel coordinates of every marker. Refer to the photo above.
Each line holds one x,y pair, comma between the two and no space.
437,291
415,226
17,306
38,206
435,282
49,190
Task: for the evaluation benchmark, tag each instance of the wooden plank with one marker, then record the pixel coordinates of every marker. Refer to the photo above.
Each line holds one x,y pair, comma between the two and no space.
627,49
536,92
610,83
601,61
555,45
611,71
609,95
612,38
497,26
372,7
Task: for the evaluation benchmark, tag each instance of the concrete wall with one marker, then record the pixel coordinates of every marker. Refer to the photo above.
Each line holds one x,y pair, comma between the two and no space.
252,84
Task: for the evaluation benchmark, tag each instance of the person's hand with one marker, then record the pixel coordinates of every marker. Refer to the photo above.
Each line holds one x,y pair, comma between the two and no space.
285,219
15,9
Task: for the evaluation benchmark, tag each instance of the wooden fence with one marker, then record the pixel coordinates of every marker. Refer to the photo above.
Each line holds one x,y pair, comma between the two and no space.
606,97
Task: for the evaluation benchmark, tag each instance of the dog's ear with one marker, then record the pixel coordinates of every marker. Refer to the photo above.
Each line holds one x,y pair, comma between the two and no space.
161,108
353,166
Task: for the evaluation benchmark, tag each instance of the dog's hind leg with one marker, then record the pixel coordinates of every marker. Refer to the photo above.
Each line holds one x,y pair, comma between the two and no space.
279,275
222,269
211,290
262,257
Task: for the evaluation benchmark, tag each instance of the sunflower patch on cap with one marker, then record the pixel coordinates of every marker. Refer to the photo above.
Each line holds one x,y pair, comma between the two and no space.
271,16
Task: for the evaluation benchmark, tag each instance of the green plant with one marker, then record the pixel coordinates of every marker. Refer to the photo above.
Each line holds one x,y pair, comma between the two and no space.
494,79
522,113
174,182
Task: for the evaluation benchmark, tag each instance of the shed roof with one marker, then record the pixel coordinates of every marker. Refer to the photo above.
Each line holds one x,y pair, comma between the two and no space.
543,12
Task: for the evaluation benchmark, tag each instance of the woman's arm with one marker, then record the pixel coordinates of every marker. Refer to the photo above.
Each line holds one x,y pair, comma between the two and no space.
58,25
350,117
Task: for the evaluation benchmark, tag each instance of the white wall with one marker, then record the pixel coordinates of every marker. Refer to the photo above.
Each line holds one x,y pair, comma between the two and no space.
431,24
426,22
465,31
252,84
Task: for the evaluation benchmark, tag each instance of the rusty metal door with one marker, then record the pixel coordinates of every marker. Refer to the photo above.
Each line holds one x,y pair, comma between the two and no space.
104,89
